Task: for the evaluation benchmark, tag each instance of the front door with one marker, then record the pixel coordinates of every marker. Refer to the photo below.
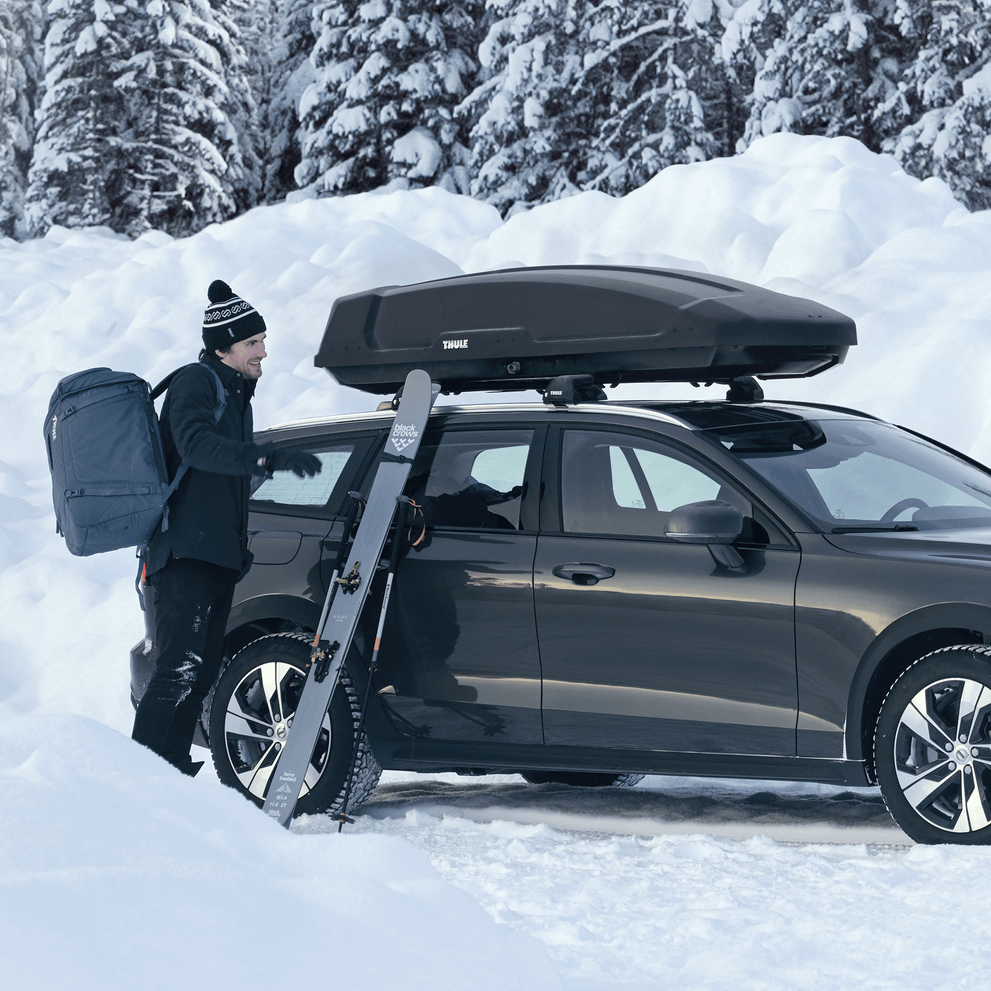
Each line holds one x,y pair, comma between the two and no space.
647,644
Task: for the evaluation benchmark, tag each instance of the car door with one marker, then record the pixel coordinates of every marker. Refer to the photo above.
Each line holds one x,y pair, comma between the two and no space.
648,644
459,657
291,530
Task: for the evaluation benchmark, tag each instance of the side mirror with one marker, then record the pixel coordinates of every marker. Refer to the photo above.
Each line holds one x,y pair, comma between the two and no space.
714,523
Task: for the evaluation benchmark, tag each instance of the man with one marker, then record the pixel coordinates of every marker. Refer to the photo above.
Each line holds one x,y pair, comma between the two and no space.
200,550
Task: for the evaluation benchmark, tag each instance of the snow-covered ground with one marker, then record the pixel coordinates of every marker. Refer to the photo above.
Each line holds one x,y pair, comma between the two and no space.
116,872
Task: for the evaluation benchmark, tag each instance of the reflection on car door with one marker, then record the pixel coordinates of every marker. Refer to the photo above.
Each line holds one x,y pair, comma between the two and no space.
459,655
648,644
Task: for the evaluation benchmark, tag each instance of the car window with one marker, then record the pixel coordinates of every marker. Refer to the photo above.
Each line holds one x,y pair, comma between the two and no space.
285,489
848,473
624,484
471,478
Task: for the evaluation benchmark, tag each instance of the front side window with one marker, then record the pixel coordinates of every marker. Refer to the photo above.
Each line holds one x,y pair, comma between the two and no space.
618,483
471,478
856,474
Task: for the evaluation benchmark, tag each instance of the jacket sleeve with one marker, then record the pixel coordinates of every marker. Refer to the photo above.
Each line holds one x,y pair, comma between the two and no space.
200,441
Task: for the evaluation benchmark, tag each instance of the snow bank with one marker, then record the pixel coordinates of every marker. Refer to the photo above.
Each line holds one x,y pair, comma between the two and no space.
101,842
120,873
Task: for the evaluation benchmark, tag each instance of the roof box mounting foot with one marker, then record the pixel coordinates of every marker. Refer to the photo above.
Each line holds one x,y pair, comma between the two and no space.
744,389
566,390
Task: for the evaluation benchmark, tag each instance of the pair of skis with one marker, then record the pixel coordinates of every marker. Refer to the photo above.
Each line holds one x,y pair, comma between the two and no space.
347,594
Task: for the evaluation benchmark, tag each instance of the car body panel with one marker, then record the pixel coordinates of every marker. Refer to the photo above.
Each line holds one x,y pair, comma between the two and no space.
842,633
459,650
670,653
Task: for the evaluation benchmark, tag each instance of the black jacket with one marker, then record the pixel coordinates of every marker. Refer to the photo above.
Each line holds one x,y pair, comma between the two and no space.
208,514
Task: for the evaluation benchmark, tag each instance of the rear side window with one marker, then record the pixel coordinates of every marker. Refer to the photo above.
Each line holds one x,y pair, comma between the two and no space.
285,489
471,478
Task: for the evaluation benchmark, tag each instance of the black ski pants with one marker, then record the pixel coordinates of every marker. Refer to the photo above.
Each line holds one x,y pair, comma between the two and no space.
192,603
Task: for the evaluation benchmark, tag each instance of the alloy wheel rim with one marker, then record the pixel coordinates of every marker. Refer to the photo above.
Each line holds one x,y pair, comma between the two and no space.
942,752
257,722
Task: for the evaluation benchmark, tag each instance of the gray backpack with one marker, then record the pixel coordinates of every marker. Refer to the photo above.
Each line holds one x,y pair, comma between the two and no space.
110,485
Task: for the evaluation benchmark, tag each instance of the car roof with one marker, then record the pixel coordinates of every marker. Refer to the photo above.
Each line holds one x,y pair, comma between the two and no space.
690,415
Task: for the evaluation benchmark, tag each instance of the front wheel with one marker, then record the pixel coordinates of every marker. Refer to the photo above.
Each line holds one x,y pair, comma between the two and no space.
251,717
932,747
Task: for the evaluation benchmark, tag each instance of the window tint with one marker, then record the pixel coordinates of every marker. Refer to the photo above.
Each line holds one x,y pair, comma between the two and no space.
471,478
285,489
623,484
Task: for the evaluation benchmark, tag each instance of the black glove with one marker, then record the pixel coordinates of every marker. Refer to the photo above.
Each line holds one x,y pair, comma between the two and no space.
298,462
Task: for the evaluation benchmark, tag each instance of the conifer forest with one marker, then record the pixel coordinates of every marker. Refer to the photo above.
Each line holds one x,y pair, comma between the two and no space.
174,114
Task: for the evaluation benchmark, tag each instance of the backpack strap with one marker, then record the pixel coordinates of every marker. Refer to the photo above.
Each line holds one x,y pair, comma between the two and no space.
218,412
221,404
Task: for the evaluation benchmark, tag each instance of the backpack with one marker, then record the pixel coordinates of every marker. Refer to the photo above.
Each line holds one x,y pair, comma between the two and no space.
110,484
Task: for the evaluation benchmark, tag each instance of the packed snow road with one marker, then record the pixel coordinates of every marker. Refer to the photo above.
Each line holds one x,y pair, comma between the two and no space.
634,889
787,812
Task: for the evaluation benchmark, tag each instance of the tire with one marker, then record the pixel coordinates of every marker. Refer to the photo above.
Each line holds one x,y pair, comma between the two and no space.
932,747
581,779
245,727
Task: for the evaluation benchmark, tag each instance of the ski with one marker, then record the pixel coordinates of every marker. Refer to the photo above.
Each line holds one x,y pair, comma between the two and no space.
347,594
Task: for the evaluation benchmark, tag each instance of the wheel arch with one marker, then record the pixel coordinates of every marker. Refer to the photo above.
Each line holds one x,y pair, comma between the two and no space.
894,651
264,615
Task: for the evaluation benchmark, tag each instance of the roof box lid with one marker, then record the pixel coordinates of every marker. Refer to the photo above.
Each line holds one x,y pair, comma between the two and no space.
520,328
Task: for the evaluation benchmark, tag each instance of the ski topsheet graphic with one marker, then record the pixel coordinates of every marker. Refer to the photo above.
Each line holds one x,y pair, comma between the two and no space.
347,594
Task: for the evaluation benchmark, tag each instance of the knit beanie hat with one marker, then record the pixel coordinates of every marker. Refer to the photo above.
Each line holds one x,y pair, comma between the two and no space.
228,319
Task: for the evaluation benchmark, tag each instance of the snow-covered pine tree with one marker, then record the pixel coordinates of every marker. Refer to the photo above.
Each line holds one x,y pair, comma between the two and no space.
945,100
78,117
138,126
20,34
526,135
280,50
235,99
834,64
388,75
660,91
749,31
597,94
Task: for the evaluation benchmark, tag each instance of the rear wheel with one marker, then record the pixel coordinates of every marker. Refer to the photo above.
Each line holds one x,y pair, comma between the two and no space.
251,715
932,747
582,779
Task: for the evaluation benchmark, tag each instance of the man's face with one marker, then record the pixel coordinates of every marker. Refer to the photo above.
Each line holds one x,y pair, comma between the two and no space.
246,356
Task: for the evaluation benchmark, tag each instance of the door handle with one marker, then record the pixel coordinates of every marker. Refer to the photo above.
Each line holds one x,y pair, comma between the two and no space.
582,573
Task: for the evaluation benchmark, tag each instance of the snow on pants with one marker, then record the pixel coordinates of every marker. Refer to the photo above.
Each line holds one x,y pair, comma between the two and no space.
192,603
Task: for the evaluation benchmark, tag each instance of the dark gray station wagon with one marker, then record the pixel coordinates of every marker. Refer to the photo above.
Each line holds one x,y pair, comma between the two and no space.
595,590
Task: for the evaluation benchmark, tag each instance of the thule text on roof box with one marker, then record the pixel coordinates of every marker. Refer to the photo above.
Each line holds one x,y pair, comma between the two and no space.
521,328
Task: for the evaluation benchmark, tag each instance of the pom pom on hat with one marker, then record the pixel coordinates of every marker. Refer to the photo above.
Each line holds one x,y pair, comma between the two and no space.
228,319
219,292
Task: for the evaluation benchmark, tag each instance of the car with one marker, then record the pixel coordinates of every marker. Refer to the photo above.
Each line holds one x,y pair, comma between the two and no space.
593,589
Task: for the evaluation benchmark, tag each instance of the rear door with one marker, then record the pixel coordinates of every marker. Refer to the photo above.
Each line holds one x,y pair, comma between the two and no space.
647,644
459,657
291,527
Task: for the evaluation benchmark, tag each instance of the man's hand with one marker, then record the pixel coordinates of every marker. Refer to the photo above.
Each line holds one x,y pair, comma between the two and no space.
298,462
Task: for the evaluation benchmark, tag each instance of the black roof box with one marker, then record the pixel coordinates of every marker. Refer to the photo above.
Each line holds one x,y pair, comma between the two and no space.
520,328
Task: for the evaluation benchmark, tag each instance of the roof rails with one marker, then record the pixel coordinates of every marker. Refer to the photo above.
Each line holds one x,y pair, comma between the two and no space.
525,328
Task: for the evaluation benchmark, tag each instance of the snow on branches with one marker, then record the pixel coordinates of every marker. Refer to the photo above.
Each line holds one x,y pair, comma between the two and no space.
145,120
177,113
